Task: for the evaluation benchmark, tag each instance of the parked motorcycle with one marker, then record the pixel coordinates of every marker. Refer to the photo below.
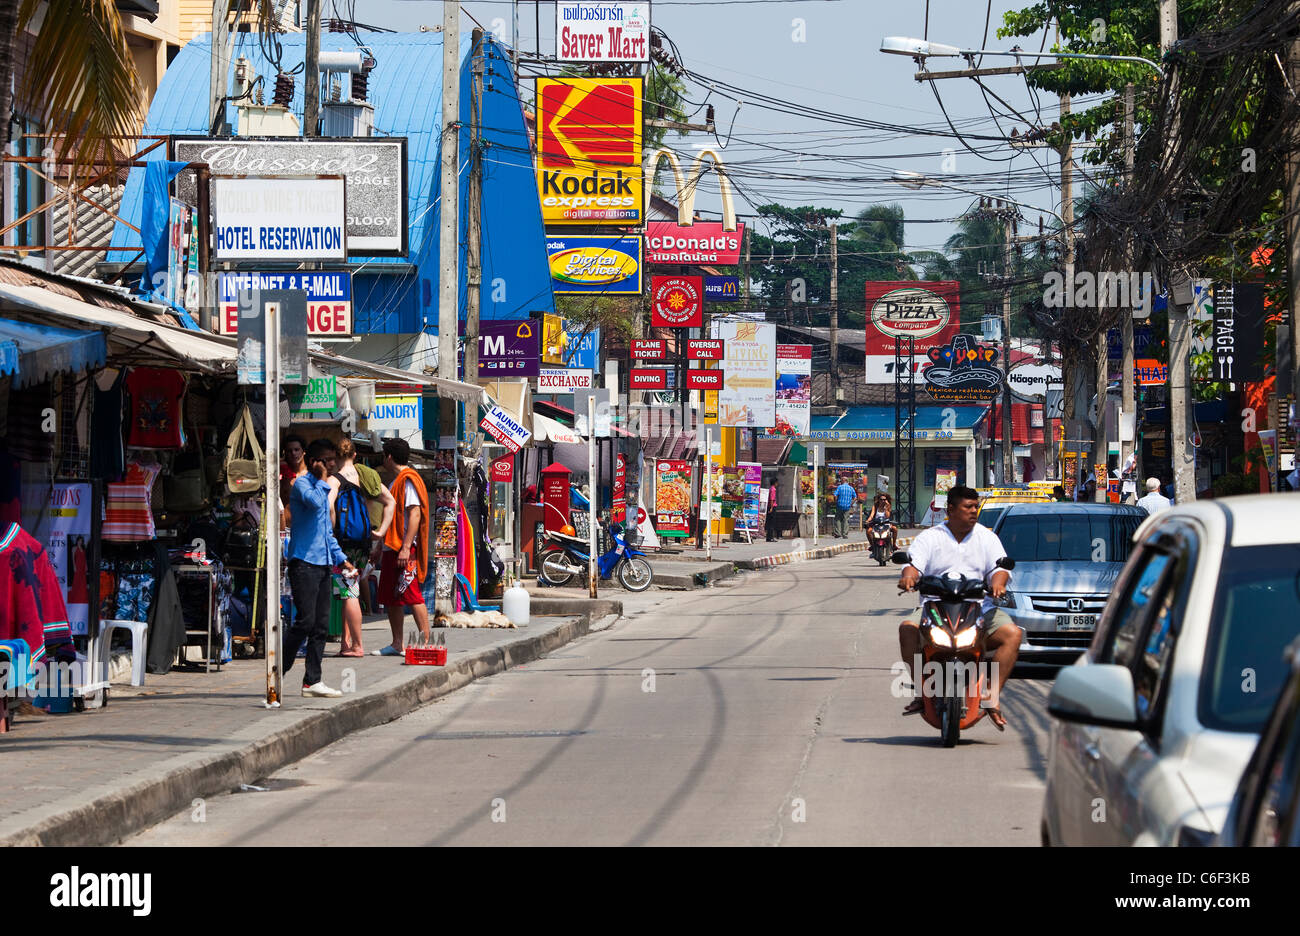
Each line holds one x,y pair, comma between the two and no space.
878,531
953,676
565,557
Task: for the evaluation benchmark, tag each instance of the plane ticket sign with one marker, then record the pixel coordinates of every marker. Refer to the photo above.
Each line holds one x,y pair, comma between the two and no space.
649,349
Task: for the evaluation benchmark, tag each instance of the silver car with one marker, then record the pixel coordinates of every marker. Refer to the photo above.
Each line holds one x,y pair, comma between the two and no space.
1068,558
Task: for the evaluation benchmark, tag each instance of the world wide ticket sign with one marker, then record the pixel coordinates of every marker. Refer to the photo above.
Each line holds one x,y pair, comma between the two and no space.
589,150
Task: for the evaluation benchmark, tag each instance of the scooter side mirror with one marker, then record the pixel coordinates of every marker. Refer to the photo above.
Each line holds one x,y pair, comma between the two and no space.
1006,562
900,557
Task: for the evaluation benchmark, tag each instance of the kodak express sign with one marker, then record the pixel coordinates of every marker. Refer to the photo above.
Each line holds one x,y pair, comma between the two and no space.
589,150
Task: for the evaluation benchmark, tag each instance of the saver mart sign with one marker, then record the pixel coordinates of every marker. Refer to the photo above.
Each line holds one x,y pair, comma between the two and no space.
593,264
602,32
589,150
278,219
329,299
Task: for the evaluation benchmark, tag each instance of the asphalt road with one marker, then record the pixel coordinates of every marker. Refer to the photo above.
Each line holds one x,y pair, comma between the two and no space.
772,722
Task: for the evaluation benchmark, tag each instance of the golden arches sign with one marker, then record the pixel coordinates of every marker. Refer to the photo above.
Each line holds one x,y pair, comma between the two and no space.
686,188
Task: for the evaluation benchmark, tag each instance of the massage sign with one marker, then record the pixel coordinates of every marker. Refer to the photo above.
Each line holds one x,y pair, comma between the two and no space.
676,302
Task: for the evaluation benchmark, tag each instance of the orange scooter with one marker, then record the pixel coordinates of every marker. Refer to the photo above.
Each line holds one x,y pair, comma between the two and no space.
953,676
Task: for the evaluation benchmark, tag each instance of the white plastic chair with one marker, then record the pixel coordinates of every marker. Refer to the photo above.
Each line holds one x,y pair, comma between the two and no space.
139,646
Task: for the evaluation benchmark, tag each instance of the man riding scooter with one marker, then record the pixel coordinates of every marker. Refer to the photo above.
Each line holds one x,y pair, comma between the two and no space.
961,546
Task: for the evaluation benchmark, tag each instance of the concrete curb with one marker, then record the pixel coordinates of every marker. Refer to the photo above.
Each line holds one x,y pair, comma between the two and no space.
692,579
112,818
804,555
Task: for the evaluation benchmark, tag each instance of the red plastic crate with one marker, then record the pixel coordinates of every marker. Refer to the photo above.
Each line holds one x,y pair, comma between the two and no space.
426,656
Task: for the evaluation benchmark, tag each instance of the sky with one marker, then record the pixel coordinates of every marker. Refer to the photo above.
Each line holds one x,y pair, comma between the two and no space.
824,54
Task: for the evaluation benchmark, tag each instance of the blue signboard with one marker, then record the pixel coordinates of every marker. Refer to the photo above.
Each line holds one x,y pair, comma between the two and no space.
583,352
587,264
1141,339
722,289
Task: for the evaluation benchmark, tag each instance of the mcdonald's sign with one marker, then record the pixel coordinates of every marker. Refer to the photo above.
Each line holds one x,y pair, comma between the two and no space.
686,189
589,150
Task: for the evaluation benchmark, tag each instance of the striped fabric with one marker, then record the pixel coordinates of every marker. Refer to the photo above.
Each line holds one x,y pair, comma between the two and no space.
128,516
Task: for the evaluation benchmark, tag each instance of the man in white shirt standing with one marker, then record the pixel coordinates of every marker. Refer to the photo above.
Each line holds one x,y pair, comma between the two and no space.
961,546
1154,501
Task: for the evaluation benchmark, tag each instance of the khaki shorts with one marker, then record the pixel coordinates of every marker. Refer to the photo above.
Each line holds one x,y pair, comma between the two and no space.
993,619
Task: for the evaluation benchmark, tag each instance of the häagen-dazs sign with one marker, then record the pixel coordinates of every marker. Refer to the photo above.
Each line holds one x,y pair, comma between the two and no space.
1030,381
375,170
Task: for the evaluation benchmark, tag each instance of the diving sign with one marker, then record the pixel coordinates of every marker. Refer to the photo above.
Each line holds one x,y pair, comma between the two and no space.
648,378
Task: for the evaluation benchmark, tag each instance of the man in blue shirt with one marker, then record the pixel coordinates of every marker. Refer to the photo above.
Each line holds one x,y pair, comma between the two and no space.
845,497
313,550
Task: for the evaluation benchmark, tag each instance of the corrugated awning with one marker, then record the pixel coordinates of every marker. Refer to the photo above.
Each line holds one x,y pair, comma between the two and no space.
124,332
546,429
342,366
35,353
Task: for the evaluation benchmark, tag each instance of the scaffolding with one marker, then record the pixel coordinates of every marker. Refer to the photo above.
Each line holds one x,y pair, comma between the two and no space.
904,428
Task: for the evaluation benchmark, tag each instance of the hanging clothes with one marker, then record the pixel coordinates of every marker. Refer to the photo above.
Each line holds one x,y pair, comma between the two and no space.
128,516
28,432
31,599
11,488
155,397
107,453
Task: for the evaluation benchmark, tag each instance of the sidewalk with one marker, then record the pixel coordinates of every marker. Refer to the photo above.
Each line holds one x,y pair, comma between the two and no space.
99,776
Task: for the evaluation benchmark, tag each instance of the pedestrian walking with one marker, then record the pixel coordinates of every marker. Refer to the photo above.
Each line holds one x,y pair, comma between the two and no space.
1154,501
313,551
845,498
770,520
363,510
405,557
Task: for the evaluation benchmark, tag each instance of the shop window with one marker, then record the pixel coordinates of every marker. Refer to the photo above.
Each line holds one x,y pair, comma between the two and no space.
28,188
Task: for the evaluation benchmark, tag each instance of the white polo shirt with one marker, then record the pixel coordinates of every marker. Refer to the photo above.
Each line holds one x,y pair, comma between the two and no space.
936,551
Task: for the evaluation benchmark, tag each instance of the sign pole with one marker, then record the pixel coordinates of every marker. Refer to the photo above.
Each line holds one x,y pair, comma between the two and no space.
591,492
271,510
816,494
708,492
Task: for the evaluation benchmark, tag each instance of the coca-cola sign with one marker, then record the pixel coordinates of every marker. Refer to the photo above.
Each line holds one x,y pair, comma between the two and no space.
928,313
375,170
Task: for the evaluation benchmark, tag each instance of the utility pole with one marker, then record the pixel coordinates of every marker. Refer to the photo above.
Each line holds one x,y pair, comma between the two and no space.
1070,364
448,252
1180,453
311,80
220,66
1127,400
474,234
1293,223
835,312
1008,451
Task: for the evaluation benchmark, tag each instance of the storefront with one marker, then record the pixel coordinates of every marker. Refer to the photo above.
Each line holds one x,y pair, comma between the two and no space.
861,442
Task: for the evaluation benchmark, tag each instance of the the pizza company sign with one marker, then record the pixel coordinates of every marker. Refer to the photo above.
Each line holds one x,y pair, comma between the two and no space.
910,312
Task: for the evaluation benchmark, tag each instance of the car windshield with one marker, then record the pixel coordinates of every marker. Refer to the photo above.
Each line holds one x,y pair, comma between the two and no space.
1090,537
1256,614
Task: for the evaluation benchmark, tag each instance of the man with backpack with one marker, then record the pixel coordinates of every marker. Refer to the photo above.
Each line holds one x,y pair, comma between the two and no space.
363,510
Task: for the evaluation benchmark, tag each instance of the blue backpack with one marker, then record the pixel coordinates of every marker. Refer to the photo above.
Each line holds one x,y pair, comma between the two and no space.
353,515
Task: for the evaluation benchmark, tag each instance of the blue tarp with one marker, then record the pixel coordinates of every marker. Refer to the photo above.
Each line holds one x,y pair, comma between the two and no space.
406,90
44,351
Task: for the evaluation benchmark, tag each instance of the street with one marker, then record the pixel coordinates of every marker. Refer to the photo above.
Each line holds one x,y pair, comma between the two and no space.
771,722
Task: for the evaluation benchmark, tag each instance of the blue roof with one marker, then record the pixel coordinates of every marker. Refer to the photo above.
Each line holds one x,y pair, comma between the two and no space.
406,90
878,418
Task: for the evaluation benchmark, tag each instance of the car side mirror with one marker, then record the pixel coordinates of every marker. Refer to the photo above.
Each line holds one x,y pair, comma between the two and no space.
1098,694
900,557
1006,562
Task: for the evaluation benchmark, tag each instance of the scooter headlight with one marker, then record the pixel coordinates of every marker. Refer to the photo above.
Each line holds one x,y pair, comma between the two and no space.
940,637
967,637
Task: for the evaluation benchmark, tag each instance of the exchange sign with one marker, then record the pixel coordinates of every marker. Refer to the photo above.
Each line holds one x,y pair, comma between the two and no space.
589,150
676,302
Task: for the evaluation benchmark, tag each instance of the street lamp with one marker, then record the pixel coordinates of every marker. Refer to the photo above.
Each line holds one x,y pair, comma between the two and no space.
915,180
923,48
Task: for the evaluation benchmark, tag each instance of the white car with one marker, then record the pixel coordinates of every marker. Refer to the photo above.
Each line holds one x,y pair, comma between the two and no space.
1156,722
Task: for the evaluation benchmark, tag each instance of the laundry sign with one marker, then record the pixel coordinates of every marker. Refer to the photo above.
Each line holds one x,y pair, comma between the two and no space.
501,426
319,395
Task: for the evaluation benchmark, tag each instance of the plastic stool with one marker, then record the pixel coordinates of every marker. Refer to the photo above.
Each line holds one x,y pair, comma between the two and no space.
139,643
470,600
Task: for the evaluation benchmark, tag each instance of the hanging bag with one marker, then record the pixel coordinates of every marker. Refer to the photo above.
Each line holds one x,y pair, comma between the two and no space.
245,460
